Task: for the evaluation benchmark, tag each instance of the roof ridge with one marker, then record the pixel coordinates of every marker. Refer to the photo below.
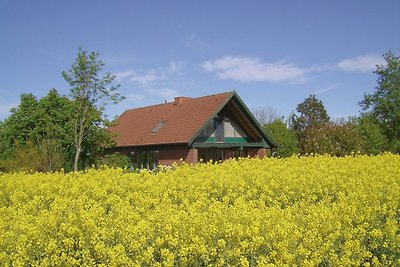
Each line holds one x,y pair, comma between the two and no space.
189,99
151,106
229,92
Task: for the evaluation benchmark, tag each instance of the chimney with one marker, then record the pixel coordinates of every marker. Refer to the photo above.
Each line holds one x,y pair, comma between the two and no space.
180,99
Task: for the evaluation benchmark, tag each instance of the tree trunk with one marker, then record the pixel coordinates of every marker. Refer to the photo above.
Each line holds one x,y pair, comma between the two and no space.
76,160
79,136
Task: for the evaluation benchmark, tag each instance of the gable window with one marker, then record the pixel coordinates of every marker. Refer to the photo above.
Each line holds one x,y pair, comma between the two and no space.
218,130
223,130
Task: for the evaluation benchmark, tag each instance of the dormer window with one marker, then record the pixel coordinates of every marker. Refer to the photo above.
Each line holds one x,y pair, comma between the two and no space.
159,125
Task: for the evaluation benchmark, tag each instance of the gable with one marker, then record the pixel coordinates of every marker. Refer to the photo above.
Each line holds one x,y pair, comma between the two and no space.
233,124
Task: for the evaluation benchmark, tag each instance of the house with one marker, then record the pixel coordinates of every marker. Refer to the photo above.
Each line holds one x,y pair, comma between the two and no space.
214,127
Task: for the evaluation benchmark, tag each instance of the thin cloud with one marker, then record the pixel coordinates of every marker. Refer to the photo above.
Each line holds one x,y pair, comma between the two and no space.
247,69
135,98
152,84
142,78
365,63
195,42
326,89
147,78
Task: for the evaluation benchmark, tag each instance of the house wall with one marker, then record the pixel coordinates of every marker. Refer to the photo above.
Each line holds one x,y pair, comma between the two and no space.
167,154
254,152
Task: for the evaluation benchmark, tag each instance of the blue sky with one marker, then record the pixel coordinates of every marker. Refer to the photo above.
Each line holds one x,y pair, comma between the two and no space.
273,53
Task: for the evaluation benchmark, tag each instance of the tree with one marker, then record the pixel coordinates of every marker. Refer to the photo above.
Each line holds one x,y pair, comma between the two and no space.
90,94
337,139
37,127
18,126
285,137
384,103
375,141
265,115
312,114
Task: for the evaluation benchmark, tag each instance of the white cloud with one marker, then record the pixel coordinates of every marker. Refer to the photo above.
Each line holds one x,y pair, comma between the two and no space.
146,78
247,69
135,98
365,63
326,89
174,67
142,78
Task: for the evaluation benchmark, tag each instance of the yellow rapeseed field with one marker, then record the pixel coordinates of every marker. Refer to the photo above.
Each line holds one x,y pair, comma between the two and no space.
304,211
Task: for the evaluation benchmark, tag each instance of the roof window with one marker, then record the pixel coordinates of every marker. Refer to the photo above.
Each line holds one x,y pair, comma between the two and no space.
159,125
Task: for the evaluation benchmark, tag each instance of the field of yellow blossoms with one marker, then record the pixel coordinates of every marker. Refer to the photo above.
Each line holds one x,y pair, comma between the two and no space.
307,211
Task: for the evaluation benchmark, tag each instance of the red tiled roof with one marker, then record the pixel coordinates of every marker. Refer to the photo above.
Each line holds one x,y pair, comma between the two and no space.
183,119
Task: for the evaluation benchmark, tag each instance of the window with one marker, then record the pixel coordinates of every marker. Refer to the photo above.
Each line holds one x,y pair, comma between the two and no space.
229,130
209,130
219,130
158,126
145,159
240,154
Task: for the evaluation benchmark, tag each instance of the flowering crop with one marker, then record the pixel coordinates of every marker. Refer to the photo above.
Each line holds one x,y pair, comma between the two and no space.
315,210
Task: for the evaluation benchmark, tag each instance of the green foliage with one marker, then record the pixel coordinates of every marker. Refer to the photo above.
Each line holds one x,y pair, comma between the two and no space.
338,139
37,125
384,103
31,157
375,141
62,129
90,94
115,160
19,126
46,126
285,137
312,114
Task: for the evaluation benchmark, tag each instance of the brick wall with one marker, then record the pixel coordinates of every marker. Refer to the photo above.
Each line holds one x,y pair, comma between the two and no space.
171,154
254,152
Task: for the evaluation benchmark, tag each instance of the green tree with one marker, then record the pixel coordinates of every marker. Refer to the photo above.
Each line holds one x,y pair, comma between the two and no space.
311,114
90,94
17,128
375,141
285,137
384,103
115,160
37,127
337,139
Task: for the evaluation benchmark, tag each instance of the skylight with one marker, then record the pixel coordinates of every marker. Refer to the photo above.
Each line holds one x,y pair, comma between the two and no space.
158,126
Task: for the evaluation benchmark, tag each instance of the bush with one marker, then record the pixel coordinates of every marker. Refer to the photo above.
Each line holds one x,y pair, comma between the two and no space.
31,157
333,139
115,160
